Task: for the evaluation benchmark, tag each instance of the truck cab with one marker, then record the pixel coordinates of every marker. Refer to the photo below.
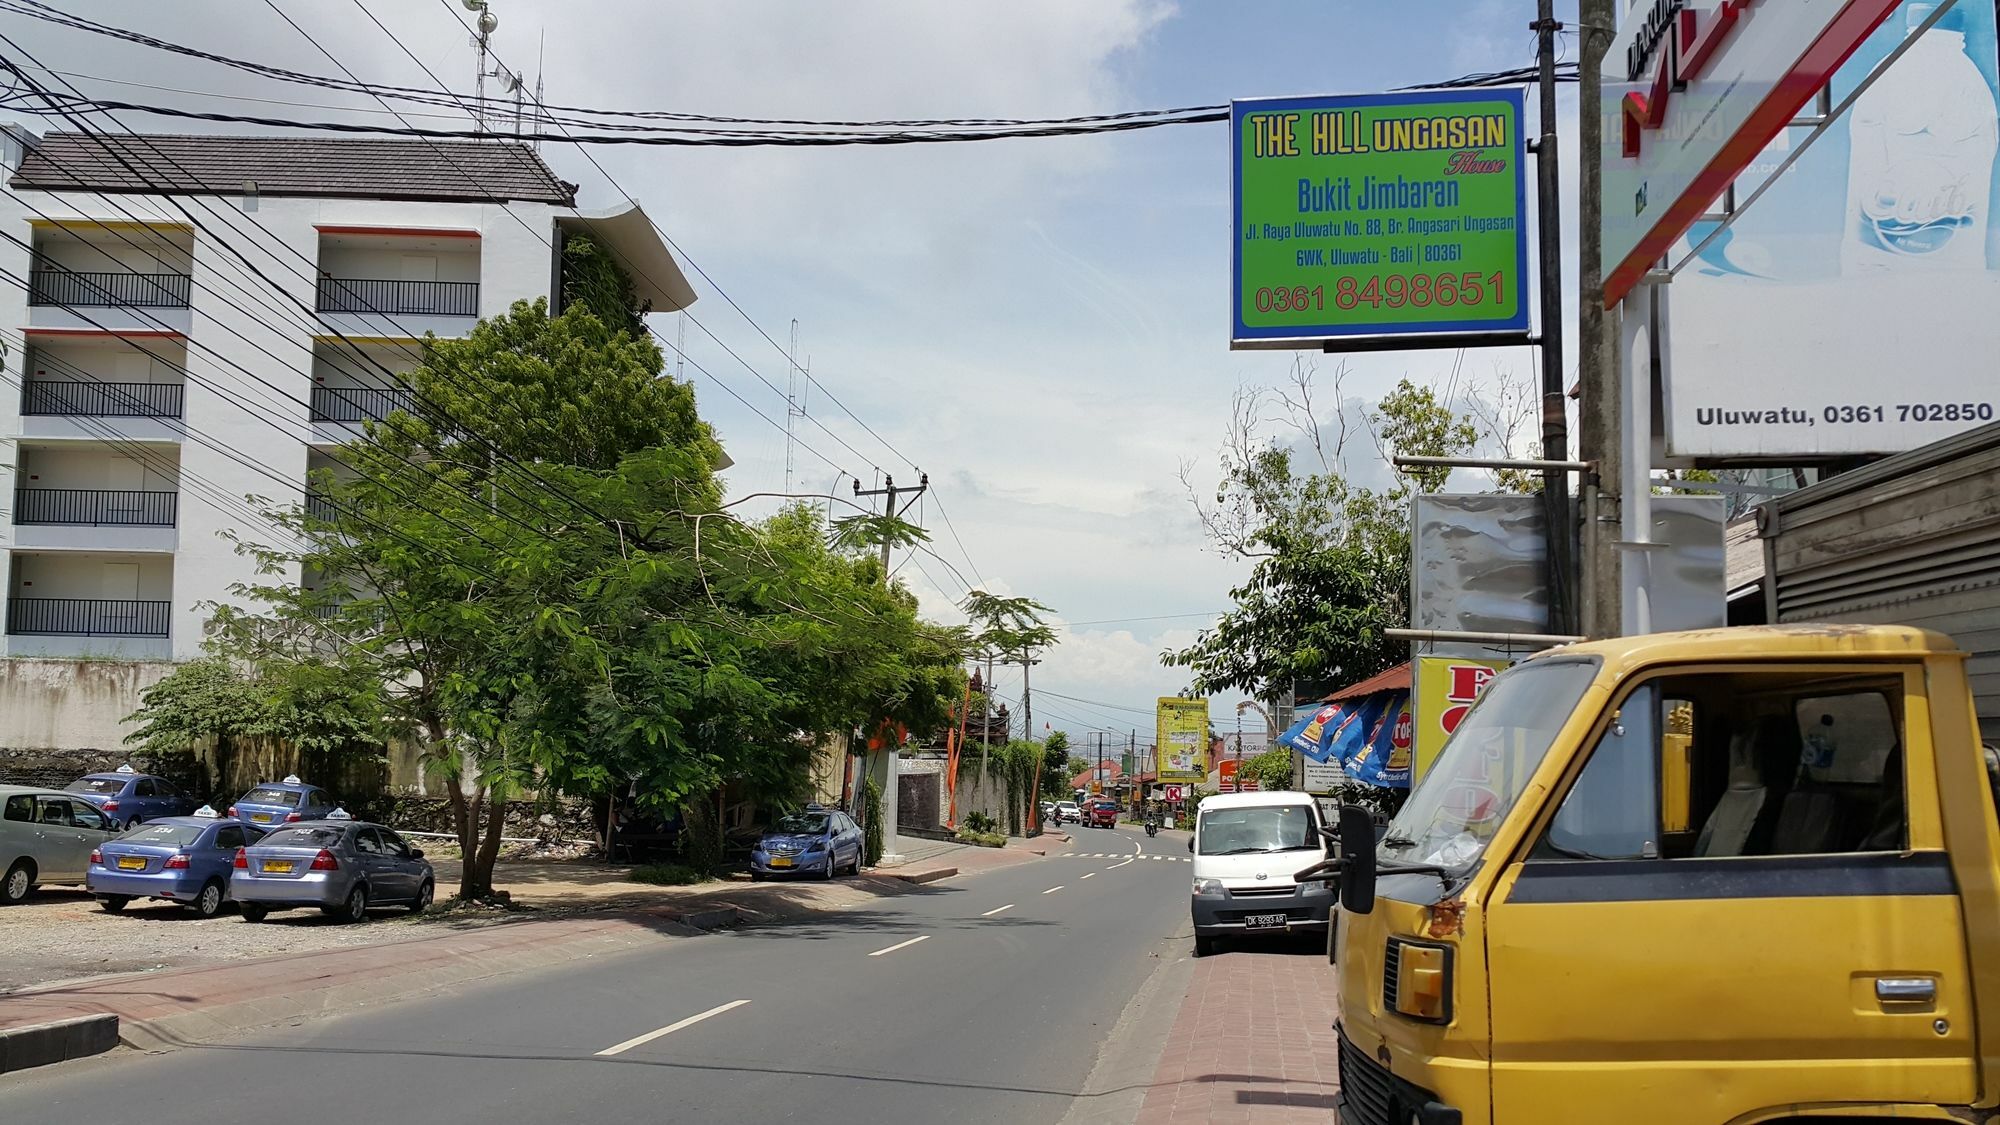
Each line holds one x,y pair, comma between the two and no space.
1715,878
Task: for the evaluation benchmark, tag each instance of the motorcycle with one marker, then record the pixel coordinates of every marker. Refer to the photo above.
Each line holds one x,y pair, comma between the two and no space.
1152,828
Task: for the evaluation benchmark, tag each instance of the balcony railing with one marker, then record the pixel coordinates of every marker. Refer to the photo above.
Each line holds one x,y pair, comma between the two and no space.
321,508
87,617
94,507
53,285
363,295
358,404
102,400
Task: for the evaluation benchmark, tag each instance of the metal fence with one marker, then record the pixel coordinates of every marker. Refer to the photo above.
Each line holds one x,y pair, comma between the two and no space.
53,285
365,295
102,400
87,617
358,404
95,507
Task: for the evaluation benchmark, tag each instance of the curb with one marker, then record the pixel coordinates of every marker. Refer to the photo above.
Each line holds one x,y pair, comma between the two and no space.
56,1041
930,876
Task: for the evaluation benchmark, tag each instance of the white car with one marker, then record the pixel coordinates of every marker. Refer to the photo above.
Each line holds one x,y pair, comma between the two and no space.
1067,812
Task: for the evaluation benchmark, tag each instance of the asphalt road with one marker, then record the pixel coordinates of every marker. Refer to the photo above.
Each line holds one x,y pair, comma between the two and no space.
981,999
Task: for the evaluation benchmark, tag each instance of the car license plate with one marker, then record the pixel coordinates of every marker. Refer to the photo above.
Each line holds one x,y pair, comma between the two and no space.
1263,921
781,861
284,867
131,863
261,817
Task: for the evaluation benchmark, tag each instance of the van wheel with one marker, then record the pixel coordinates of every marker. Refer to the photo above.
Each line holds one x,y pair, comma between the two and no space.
1204,946
19,881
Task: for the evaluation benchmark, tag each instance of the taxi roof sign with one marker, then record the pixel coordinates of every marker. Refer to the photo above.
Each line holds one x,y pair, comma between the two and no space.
125,767
291,779
340,814
207,812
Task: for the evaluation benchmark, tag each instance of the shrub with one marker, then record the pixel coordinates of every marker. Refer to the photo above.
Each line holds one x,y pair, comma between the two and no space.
981,822
871,832
666,875
983,839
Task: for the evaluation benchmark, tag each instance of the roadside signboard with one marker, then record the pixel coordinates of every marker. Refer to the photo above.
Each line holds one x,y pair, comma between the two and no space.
1693,91
1324,777
1182,739
1379,217
1171,792
1228,770
1446,688
1884,227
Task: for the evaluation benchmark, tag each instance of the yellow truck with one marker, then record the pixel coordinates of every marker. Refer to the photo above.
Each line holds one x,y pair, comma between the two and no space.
1722,877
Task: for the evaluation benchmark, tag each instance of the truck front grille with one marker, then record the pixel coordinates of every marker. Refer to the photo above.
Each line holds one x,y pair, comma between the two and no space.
1367,1090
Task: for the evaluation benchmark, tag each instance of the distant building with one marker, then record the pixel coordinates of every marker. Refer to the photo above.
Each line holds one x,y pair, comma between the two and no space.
196,319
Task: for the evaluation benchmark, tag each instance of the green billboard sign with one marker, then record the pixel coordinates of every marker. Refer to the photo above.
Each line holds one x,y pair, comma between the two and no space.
1379,217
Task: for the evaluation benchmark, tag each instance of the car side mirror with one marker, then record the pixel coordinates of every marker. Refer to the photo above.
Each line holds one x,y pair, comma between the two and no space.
1190,843
1357,860
416,853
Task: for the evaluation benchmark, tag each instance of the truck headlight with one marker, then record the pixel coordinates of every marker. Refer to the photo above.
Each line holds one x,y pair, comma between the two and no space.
1209,888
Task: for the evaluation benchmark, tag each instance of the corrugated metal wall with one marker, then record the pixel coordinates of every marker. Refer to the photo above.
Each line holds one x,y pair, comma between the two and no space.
1910,540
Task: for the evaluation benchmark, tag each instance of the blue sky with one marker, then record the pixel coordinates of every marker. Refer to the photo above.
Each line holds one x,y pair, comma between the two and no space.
1040,324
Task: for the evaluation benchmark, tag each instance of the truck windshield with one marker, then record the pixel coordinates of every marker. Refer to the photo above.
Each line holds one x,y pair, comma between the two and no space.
1486,764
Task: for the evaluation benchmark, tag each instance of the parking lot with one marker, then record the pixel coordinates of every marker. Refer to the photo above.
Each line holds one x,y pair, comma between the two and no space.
60,934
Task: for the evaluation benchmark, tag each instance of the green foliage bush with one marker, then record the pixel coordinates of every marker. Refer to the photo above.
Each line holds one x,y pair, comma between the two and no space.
983,839
871,831
977,821
667,875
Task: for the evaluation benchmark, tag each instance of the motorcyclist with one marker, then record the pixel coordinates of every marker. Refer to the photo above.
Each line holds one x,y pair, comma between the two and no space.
1152,819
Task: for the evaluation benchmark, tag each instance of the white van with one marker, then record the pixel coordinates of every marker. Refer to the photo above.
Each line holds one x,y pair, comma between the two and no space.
1247,847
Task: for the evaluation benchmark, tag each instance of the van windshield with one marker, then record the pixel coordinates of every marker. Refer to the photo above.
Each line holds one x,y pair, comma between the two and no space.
1262,828
1486,764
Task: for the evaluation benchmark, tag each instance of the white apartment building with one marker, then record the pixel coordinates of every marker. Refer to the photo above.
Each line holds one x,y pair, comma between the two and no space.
189,320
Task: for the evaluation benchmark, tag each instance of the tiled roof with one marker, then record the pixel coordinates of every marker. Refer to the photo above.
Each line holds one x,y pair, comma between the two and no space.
1395,679
350,167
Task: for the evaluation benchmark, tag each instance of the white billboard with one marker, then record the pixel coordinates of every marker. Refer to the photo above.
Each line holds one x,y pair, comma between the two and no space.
1852,310
1693,90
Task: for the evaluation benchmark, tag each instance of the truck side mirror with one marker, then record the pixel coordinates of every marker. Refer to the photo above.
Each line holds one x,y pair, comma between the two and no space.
1357,860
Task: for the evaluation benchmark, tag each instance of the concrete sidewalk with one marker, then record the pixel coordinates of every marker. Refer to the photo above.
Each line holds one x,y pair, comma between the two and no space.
1253,1042
178,1006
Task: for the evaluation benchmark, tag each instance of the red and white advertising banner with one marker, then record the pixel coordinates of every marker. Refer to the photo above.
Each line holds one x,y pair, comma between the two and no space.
1693,92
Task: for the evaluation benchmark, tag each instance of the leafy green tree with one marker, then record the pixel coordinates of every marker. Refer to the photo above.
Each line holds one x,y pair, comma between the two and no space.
536,567
1272,768
1330,559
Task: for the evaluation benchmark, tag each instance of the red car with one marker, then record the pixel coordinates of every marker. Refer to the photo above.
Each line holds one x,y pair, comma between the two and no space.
1101,814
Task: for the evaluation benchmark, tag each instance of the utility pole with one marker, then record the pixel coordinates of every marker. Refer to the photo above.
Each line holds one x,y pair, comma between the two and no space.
1598,403
890,510
1027,705
1555,424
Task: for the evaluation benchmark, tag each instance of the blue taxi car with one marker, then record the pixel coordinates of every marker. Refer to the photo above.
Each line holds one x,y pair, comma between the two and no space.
182,859
283,802
127,797
818,841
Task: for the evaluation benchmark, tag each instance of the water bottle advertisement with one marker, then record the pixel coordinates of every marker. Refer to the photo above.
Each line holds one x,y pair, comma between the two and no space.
1850,309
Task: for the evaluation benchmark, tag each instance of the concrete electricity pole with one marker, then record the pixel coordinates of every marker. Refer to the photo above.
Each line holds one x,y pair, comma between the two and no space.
889,509
1597,339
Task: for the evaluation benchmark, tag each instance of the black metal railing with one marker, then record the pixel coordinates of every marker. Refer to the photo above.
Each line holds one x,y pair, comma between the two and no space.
95,507
321,508
358,404
365,295
53,285
87,617
102,400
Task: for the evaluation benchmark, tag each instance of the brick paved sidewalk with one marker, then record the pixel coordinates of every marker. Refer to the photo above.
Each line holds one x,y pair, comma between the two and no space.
1253,1042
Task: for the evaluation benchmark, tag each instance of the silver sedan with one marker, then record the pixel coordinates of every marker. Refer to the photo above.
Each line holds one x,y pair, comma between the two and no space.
341,866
